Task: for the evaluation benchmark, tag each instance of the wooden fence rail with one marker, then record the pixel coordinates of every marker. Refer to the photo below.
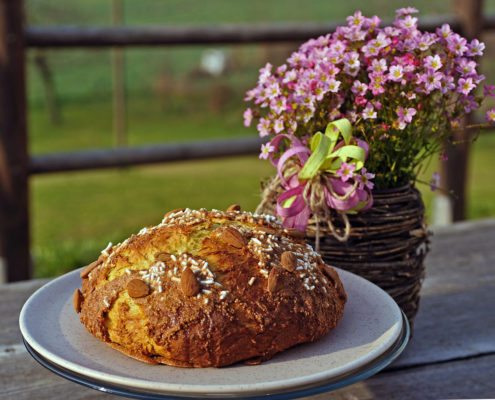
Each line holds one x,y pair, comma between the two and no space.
120,157
15,163
78,36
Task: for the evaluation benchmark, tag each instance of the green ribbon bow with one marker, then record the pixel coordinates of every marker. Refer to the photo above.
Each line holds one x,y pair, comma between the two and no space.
324,158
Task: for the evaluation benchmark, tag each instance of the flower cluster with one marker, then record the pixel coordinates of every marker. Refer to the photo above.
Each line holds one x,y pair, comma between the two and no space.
404,91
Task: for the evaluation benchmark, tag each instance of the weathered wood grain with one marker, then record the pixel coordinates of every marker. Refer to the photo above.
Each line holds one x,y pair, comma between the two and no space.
12,298
22,378
451,326
462,257
463,379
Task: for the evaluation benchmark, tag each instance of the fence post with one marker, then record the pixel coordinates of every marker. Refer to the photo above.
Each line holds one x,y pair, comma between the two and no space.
455,170
118,79
14,221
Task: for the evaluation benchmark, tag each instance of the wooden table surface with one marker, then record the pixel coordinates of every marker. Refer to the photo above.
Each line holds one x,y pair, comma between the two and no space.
451,355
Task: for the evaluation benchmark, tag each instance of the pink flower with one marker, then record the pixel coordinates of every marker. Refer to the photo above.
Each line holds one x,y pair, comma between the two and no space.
279,105
475,48
378,66
409,95
457,44
433,80
406,11
426,40
370,51
445,31
489,90
248,117
360,100
405,116
273,90
447,84
263,127
337,47
466,67
364,179
369,112
434,63
251,94
351,63
346,171
465,85
469,103
490,115
407,23
290,76
381,41
357,19
278,126
359,88
435,182
333,85
395,73
373,22
297,59
265,73
266,150
376,88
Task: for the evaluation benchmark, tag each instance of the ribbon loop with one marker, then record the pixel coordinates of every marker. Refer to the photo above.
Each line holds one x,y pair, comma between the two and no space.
319,186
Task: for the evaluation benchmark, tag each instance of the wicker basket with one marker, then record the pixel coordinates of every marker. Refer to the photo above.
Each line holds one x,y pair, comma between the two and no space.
387,244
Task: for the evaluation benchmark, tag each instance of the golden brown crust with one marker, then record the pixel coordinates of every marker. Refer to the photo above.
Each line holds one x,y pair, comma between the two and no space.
220,291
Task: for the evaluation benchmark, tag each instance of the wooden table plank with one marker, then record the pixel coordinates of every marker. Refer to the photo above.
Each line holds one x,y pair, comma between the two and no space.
450,326
13,296
25,379
463,379
462,257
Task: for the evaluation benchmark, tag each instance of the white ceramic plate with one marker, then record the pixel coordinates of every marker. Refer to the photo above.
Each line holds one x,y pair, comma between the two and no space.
370,335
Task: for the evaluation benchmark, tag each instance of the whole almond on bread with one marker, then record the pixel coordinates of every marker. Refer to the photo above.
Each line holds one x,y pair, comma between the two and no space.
77,299
137,288
189,283
289,261
233,237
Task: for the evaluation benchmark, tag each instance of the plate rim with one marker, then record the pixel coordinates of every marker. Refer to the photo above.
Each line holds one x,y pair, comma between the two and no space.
370,369
220,389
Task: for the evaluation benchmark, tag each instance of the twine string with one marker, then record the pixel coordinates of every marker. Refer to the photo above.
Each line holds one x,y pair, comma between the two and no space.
314,197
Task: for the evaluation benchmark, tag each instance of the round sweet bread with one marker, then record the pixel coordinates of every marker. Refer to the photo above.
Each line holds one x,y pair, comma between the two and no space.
208,289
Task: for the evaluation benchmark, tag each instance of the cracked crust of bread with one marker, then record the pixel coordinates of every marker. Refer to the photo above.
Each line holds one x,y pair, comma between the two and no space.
235,316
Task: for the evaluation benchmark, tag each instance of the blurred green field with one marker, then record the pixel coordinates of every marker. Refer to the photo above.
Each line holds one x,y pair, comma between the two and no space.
75,215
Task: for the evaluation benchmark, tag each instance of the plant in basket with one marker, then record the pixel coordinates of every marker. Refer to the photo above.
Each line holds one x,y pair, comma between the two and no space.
352,117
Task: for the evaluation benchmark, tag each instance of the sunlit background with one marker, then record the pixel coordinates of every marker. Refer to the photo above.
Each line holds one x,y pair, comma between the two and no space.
172,94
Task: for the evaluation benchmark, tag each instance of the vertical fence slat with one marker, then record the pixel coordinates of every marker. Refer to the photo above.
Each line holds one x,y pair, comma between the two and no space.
14,215
118,79
455,170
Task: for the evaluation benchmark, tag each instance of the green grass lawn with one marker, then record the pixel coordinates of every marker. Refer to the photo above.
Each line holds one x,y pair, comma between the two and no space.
75,215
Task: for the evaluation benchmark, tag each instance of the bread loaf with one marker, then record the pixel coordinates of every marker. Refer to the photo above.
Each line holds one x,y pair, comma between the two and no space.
208,289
